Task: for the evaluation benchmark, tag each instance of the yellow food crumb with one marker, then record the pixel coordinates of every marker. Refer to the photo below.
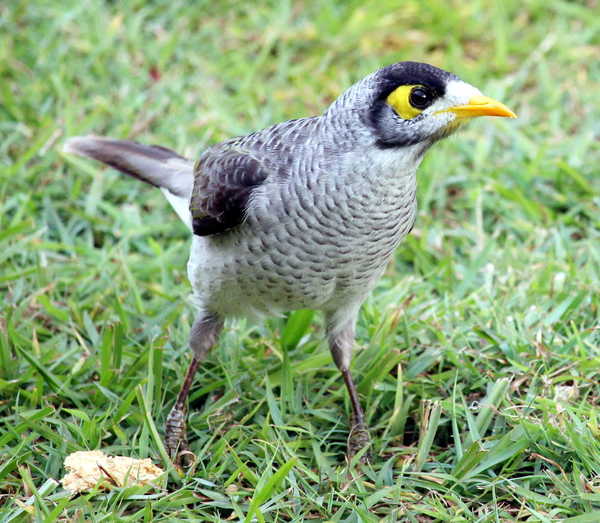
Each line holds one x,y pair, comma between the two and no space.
87,469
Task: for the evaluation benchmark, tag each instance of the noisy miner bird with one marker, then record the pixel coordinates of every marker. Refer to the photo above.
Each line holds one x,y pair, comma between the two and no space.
303,214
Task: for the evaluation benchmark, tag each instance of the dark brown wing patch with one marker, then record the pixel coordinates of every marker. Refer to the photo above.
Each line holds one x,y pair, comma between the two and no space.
223,183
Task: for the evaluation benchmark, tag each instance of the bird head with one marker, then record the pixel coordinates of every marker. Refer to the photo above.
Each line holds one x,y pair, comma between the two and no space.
410,103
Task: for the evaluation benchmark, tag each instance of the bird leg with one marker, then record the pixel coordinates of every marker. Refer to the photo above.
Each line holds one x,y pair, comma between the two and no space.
203,336
341,341
359,433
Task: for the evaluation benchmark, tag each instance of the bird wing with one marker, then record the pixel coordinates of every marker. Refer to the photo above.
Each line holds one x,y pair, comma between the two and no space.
227,174
224,180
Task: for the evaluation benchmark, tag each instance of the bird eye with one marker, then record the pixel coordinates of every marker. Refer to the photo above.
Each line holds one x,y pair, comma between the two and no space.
409,100
420,97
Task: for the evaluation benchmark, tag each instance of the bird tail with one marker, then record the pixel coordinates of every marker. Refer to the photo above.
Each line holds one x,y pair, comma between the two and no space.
152,164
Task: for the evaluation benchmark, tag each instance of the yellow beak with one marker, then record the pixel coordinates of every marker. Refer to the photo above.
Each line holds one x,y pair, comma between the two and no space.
481,106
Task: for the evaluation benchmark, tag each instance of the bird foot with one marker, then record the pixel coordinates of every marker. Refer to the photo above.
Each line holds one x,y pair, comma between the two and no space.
176,438
359,439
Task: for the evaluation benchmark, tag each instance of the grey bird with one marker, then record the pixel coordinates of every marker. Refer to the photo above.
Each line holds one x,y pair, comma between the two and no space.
303,214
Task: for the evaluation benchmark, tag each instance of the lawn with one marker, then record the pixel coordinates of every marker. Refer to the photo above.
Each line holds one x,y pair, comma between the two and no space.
478,353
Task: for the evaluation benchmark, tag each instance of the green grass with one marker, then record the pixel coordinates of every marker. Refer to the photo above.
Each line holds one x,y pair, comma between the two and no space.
480,349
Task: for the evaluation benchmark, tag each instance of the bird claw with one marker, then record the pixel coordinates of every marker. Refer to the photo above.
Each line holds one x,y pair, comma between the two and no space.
176,438
359,439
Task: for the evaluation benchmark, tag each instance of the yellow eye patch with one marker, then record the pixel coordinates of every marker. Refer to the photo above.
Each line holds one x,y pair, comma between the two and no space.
399,99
